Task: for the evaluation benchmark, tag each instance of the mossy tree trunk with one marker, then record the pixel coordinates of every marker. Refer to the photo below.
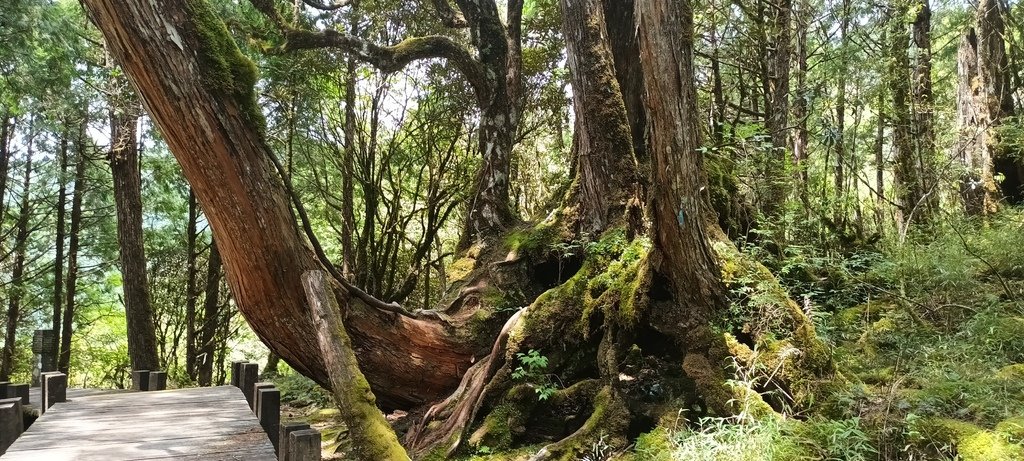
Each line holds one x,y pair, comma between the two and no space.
910,189
606,170
679,205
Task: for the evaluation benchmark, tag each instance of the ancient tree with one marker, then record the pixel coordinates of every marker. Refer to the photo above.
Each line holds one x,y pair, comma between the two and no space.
627,298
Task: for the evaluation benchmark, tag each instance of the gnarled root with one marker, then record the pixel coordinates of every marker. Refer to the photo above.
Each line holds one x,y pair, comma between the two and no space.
460,408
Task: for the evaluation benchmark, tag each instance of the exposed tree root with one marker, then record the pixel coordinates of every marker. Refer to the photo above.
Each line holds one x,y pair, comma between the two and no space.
455,413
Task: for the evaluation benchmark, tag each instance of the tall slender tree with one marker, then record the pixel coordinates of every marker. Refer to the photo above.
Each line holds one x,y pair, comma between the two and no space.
23,231
124,165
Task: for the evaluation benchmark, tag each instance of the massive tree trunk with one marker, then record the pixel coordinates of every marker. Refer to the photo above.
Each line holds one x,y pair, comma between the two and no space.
17,291
182,60
124,166
978,190
679,203
606,169
609,319
994,72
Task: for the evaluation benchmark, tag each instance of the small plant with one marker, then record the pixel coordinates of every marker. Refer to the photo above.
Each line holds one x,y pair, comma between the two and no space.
600,450
531,369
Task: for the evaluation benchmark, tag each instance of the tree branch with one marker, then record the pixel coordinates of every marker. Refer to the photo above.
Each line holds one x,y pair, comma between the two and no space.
396,57
327,6
449,16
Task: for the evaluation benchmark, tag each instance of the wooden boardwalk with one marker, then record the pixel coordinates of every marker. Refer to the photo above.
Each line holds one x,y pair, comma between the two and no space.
212,423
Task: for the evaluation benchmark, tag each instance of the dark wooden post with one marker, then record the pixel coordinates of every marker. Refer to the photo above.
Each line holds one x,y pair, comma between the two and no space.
304,445
3,389
236,373
256,395
268,411
157,380
12,423
18,390
54,390
250,373
287,428
140,380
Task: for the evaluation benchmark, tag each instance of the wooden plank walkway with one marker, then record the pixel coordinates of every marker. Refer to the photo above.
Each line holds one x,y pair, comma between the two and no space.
212,423
35,395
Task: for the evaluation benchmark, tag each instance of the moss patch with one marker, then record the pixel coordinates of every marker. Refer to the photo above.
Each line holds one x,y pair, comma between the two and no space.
971,443
226,71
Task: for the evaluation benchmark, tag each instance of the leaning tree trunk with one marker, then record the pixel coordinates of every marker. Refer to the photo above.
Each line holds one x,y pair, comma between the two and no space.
124,165
182,60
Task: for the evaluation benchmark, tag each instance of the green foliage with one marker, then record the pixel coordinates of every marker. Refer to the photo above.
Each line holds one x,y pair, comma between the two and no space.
531,369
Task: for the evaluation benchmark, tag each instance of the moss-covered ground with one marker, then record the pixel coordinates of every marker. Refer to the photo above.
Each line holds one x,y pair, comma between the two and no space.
928,336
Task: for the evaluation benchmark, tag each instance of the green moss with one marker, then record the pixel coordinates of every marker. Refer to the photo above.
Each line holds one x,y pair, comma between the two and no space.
972,443
532,240
654,446
1013,372
1013,428
988,446
854,318
499,428
460,269
226,71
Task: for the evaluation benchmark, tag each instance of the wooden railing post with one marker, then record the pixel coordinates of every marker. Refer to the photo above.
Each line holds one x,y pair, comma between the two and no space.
256,395
287,428
18,390
140,380
54,389
268,411
157,380
12,423
236,373
304,445
250,373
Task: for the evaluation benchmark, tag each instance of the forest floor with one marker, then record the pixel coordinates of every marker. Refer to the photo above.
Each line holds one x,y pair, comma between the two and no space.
928,336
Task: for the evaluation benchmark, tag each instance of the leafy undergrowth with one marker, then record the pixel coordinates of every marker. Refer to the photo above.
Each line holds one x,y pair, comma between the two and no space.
929,334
